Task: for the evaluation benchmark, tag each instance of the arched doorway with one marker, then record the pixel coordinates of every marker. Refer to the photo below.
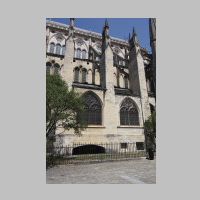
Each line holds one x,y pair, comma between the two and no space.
88,149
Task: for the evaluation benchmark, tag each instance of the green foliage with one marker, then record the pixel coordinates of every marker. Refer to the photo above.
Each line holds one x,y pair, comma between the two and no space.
62,106
150,131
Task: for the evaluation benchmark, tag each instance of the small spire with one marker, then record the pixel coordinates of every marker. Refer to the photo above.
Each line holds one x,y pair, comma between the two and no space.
72,22
106,23
133,33
133,41
129,36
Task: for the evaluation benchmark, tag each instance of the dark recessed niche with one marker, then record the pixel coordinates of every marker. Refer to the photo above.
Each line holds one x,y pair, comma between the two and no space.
124,145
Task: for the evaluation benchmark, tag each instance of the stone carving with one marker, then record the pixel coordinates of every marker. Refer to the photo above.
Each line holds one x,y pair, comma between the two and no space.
79,42
59,37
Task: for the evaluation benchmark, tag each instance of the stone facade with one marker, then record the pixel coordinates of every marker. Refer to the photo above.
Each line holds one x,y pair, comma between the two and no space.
114,69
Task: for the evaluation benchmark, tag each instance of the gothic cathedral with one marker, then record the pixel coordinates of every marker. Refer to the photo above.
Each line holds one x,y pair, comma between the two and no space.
117,79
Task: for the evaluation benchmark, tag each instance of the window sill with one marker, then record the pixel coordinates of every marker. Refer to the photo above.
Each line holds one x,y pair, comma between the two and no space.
87,86
95,126
130,127
54,55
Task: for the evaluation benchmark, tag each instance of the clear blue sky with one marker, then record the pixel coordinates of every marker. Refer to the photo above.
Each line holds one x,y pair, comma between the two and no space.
119,27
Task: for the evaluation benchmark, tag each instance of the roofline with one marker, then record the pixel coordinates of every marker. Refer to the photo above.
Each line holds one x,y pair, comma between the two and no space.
91,33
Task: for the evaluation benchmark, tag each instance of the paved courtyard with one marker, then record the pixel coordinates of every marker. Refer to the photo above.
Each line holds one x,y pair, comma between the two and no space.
138,171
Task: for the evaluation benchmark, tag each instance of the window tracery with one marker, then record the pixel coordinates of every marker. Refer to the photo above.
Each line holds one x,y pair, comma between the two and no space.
79,42
92,109
128,113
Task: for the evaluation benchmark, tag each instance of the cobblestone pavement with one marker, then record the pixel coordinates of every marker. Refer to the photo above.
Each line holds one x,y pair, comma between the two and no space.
138,171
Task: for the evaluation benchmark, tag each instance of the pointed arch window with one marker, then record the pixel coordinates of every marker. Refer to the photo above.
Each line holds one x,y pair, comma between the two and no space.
52,46
84,74
58,49
91,55
126,82
48,66
128,113
84,54
78,53
63,50
92,114
56,68
76,74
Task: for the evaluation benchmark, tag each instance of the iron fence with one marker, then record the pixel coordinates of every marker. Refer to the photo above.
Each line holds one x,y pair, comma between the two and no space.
77,153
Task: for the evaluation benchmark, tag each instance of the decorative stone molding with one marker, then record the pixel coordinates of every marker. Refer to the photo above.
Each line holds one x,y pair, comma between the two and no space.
79,42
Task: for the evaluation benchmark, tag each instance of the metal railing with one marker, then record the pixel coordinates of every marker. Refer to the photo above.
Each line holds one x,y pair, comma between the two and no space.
78,153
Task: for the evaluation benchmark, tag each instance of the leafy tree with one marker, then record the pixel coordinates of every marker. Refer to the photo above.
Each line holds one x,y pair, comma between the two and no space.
150,131
62,107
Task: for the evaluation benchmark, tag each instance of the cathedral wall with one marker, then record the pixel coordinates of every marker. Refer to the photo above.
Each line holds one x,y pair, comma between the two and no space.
107,133
110,130
55,60
94,136
84,64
